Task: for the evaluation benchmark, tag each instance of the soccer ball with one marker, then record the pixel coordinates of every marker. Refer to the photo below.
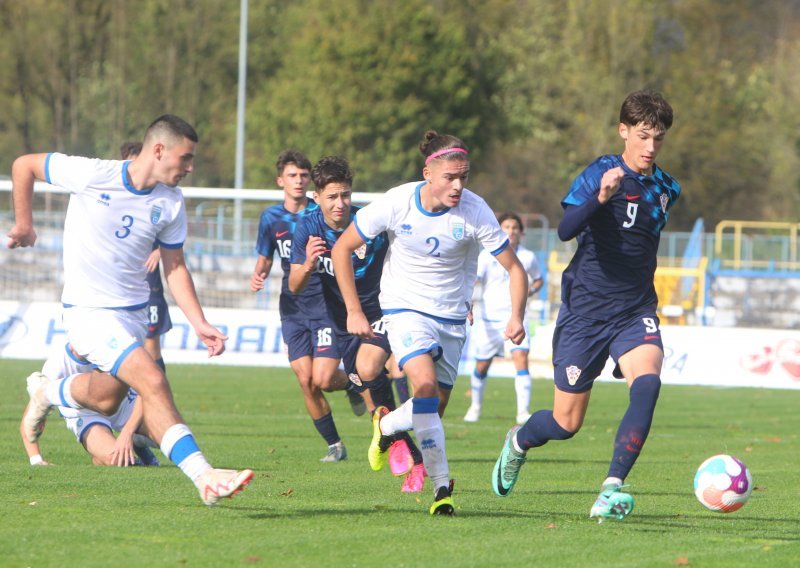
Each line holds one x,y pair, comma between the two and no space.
723,483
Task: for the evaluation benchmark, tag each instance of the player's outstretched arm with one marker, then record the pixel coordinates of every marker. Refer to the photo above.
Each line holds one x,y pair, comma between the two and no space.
181,285
518,286
25,170
260,273
342,257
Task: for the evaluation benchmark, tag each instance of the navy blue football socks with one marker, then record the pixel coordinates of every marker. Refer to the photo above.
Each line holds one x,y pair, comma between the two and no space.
635,425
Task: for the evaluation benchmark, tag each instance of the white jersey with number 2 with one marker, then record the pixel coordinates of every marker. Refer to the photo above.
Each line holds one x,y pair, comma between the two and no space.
432,260
110,229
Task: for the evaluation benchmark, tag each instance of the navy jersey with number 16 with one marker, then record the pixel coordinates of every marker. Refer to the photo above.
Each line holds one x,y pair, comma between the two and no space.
275,233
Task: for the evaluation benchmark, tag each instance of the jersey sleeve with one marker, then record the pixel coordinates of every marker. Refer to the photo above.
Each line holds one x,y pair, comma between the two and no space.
488,231
264,245
300,239
374,218
73,173
173,235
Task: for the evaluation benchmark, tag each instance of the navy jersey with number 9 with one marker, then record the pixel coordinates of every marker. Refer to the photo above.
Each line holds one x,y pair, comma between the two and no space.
613,269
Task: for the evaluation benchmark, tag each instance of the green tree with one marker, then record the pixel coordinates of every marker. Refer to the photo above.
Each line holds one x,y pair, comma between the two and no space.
365,79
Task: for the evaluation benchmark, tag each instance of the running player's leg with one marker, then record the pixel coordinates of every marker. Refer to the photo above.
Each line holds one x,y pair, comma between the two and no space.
522,384
327,375
640,363
578,358
487,341
299,336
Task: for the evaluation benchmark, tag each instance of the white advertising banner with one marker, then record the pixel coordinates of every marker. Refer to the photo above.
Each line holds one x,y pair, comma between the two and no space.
732,357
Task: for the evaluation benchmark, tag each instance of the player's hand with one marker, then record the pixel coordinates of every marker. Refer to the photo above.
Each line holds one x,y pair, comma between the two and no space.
470,317
122,455
609,183
257,281
315,248
515,331
152,261
21,236
213,338
358,325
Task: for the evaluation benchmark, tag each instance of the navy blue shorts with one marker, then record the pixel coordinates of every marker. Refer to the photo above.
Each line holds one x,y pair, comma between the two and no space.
349,344
158,320
313,337
582,346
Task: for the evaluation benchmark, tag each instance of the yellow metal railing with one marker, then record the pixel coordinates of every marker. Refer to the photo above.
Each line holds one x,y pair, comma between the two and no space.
674,301
788,230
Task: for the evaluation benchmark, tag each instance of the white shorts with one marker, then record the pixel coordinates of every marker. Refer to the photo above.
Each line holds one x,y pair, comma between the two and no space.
487,339
105,336
412,334
79,421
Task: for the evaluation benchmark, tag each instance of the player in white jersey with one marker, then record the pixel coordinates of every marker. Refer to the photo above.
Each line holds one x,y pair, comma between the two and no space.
436,229
117,209
487,336
92,429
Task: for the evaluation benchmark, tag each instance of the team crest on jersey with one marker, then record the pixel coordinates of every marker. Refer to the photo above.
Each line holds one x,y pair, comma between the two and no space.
155,214
355,379
664,202
361,252
458,231
405,229
407,341
573,373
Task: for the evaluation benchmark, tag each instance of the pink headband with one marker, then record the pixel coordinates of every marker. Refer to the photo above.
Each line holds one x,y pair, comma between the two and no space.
443,152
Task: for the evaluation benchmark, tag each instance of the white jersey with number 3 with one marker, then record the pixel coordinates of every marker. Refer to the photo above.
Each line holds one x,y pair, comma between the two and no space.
110,229
432,259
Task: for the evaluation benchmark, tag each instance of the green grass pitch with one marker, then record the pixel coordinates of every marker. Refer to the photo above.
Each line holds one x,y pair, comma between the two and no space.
299,512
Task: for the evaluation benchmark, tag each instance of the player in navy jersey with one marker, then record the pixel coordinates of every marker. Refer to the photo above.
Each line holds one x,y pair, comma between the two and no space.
616,208
364,359
313,350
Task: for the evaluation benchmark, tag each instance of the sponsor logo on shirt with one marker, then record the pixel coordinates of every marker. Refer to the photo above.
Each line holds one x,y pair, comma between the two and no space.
405,229
279,234
104,199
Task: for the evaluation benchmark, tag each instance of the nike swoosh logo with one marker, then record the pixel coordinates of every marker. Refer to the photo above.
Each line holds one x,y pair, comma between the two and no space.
646,337
322,348
632,197
279,235
499,483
